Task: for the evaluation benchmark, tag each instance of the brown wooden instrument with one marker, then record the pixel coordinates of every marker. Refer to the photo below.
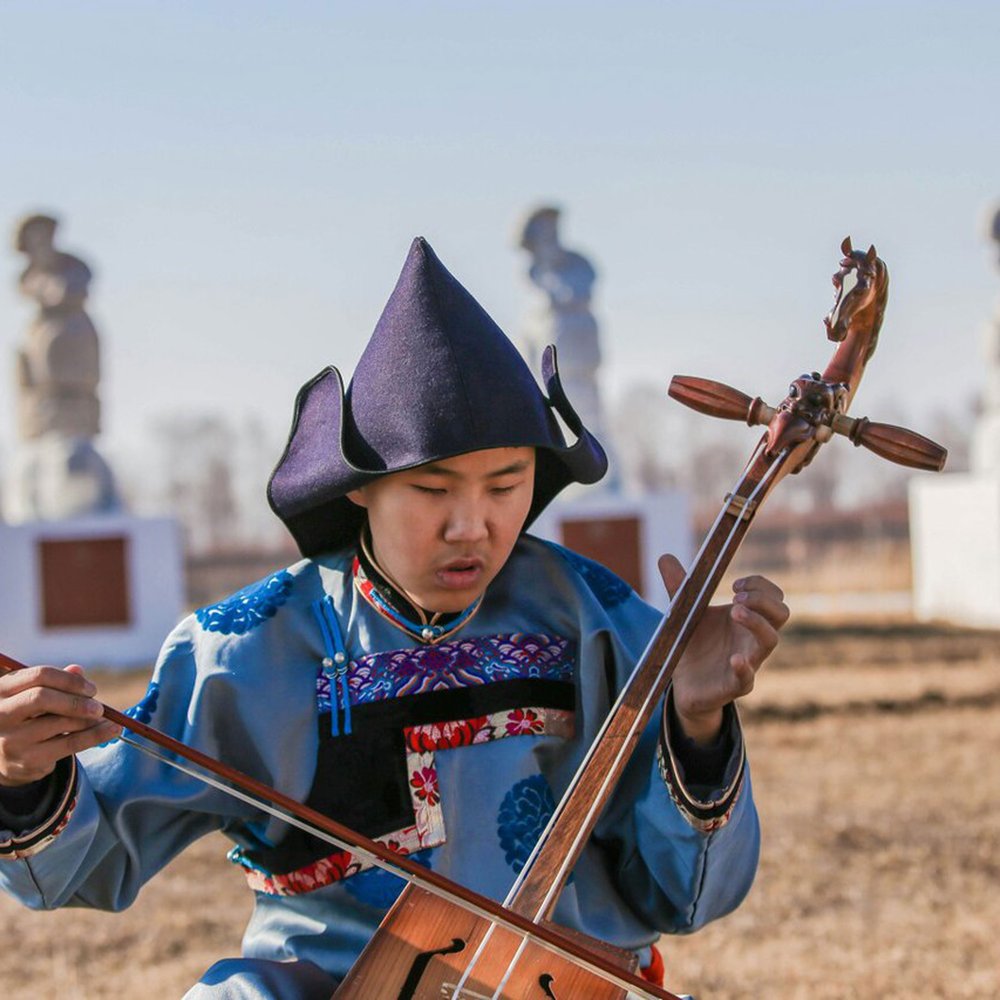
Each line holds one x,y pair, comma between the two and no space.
442,940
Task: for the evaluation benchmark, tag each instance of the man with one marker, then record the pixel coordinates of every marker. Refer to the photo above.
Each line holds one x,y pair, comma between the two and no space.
429,675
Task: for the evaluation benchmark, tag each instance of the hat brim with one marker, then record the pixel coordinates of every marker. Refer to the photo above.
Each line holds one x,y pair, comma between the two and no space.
309,486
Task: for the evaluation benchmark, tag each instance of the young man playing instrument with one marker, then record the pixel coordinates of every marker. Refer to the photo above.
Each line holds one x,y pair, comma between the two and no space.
429,675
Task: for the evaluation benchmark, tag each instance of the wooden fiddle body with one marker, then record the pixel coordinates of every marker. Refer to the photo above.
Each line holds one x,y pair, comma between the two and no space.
426,948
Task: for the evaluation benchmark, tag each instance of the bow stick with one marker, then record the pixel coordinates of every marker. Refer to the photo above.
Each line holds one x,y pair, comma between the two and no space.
276,803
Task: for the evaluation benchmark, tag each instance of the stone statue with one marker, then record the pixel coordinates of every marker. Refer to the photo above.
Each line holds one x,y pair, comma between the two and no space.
58,472
59,364
564,317
985,447
993,225
991,343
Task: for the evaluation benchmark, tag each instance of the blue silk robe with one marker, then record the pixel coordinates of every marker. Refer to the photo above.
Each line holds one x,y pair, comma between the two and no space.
453,752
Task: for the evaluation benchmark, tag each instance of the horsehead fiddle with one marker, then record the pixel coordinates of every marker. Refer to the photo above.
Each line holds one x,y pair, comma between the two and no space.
442,940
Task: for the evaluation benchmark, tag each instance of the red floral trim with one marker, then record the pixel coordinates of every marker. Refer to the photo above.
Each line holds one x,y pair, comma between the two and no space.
524,722
422,742
445,735
333,868
528,721
424,782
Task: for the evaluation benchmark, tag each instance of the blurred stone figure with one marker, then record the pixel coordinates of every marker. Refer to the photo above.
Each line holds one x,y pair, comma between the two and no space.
985,451
58,472
564,319
59,364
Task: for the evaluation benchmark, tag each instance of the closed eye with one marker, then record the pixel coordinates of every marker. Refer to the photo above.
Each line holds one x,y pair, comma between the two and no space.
506,486
431,490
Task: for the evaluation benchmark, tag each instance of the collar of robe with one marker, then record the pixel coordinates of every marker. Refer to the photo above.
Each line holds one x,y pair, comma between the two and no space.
378,588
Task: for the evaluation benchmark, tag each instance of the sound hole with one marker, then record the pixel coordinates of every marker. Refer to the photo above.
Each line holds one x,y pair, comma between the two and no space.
546,981
420,964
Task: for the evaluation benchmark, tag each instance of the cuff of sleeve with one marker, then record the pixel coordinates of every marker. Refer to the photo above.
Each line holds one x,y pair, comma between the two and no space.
705,809
57,806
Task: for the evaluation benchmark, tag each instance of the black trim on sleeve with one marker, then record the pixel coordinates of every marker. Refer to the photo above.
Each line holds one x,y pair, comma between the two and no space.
30,832
704,782
702,768
26,805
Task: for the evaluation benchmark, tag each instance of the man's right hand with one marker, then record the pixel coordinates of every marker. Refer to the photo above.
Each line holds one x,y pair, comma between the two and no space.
47,714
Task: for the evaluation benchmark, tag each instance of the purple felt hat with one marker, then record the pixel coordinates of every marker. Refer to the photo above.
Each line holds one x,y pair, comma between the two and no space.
438,378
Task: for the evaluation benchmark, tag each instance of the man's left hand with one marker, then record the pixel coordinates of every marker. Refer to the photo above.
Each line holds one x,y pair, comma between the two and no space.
727,649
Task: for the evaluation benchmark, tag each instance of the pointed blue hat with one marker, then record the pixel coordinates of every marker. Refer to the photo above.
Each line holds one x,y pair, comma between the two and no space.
438,378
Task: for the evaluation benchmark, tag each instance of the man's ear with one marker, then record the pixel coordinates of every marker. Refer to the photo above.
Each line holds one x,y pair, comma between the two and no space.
358,497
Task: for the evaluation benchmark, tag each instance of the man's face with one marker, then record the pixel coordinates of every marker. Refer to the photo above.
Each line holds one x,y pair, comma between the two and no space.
443,531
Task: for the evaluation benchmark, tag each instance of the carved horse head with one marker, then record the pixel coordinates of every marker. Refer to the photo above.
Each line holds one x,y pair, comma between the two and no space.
862,288
862,285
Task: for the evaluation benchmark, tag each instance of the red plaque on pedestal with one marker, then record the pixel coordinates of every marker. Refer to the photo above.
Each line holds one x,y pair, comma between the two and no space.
84,581
612,541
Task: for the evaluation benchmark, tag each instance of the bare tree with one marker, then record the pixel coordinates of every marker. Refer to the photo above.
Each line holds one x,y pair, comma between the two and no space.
197,477
954,430
646,430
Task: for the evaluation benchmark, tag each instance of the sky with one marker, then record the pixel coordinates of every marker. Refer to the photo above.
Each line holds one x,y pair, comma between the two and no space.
245,178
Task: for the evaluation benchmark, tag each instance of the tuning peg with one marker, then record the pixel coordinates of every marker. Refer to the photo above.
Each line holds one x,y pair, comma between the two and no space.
716,399
897,444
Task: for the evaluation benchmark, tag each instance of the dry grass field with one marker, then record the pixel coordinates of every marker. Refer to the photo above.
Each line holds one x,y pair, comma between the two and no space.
876,761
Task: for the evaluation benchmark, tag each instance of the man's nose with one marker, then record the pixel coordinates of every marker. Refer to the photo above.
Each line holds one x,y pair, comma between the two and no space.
466,523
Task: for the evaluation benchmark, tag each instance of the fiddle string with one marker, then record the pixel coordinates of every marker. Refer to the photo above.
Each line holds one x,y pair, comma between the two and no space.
515,958
574,781
557,812
633,990
476,955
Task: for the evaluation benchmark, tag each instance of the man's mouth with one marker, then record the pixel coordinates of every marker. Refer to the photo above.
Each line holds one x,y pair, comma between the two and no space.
461,573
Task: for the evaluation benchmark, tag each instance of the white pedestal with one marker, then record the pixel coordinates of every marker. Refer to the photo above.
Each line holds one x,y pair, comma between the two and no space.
649,526
955,543
99,591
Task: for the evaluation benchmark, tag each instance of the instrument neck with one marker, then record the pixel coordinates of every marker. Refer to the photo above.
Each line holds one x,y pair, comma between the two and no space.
541,881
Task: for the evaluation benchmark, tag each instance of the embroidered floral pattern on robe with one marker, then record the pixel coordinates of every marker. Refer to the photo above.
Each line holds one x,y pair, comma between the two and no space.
425,670
524,812
249,607
610,589
453,665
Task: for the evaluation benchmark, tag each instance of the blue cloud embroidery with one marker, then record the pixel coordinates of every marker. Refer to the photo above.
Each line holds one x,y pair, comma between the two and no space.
610,589
380,888
525,810
143,711
249,607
